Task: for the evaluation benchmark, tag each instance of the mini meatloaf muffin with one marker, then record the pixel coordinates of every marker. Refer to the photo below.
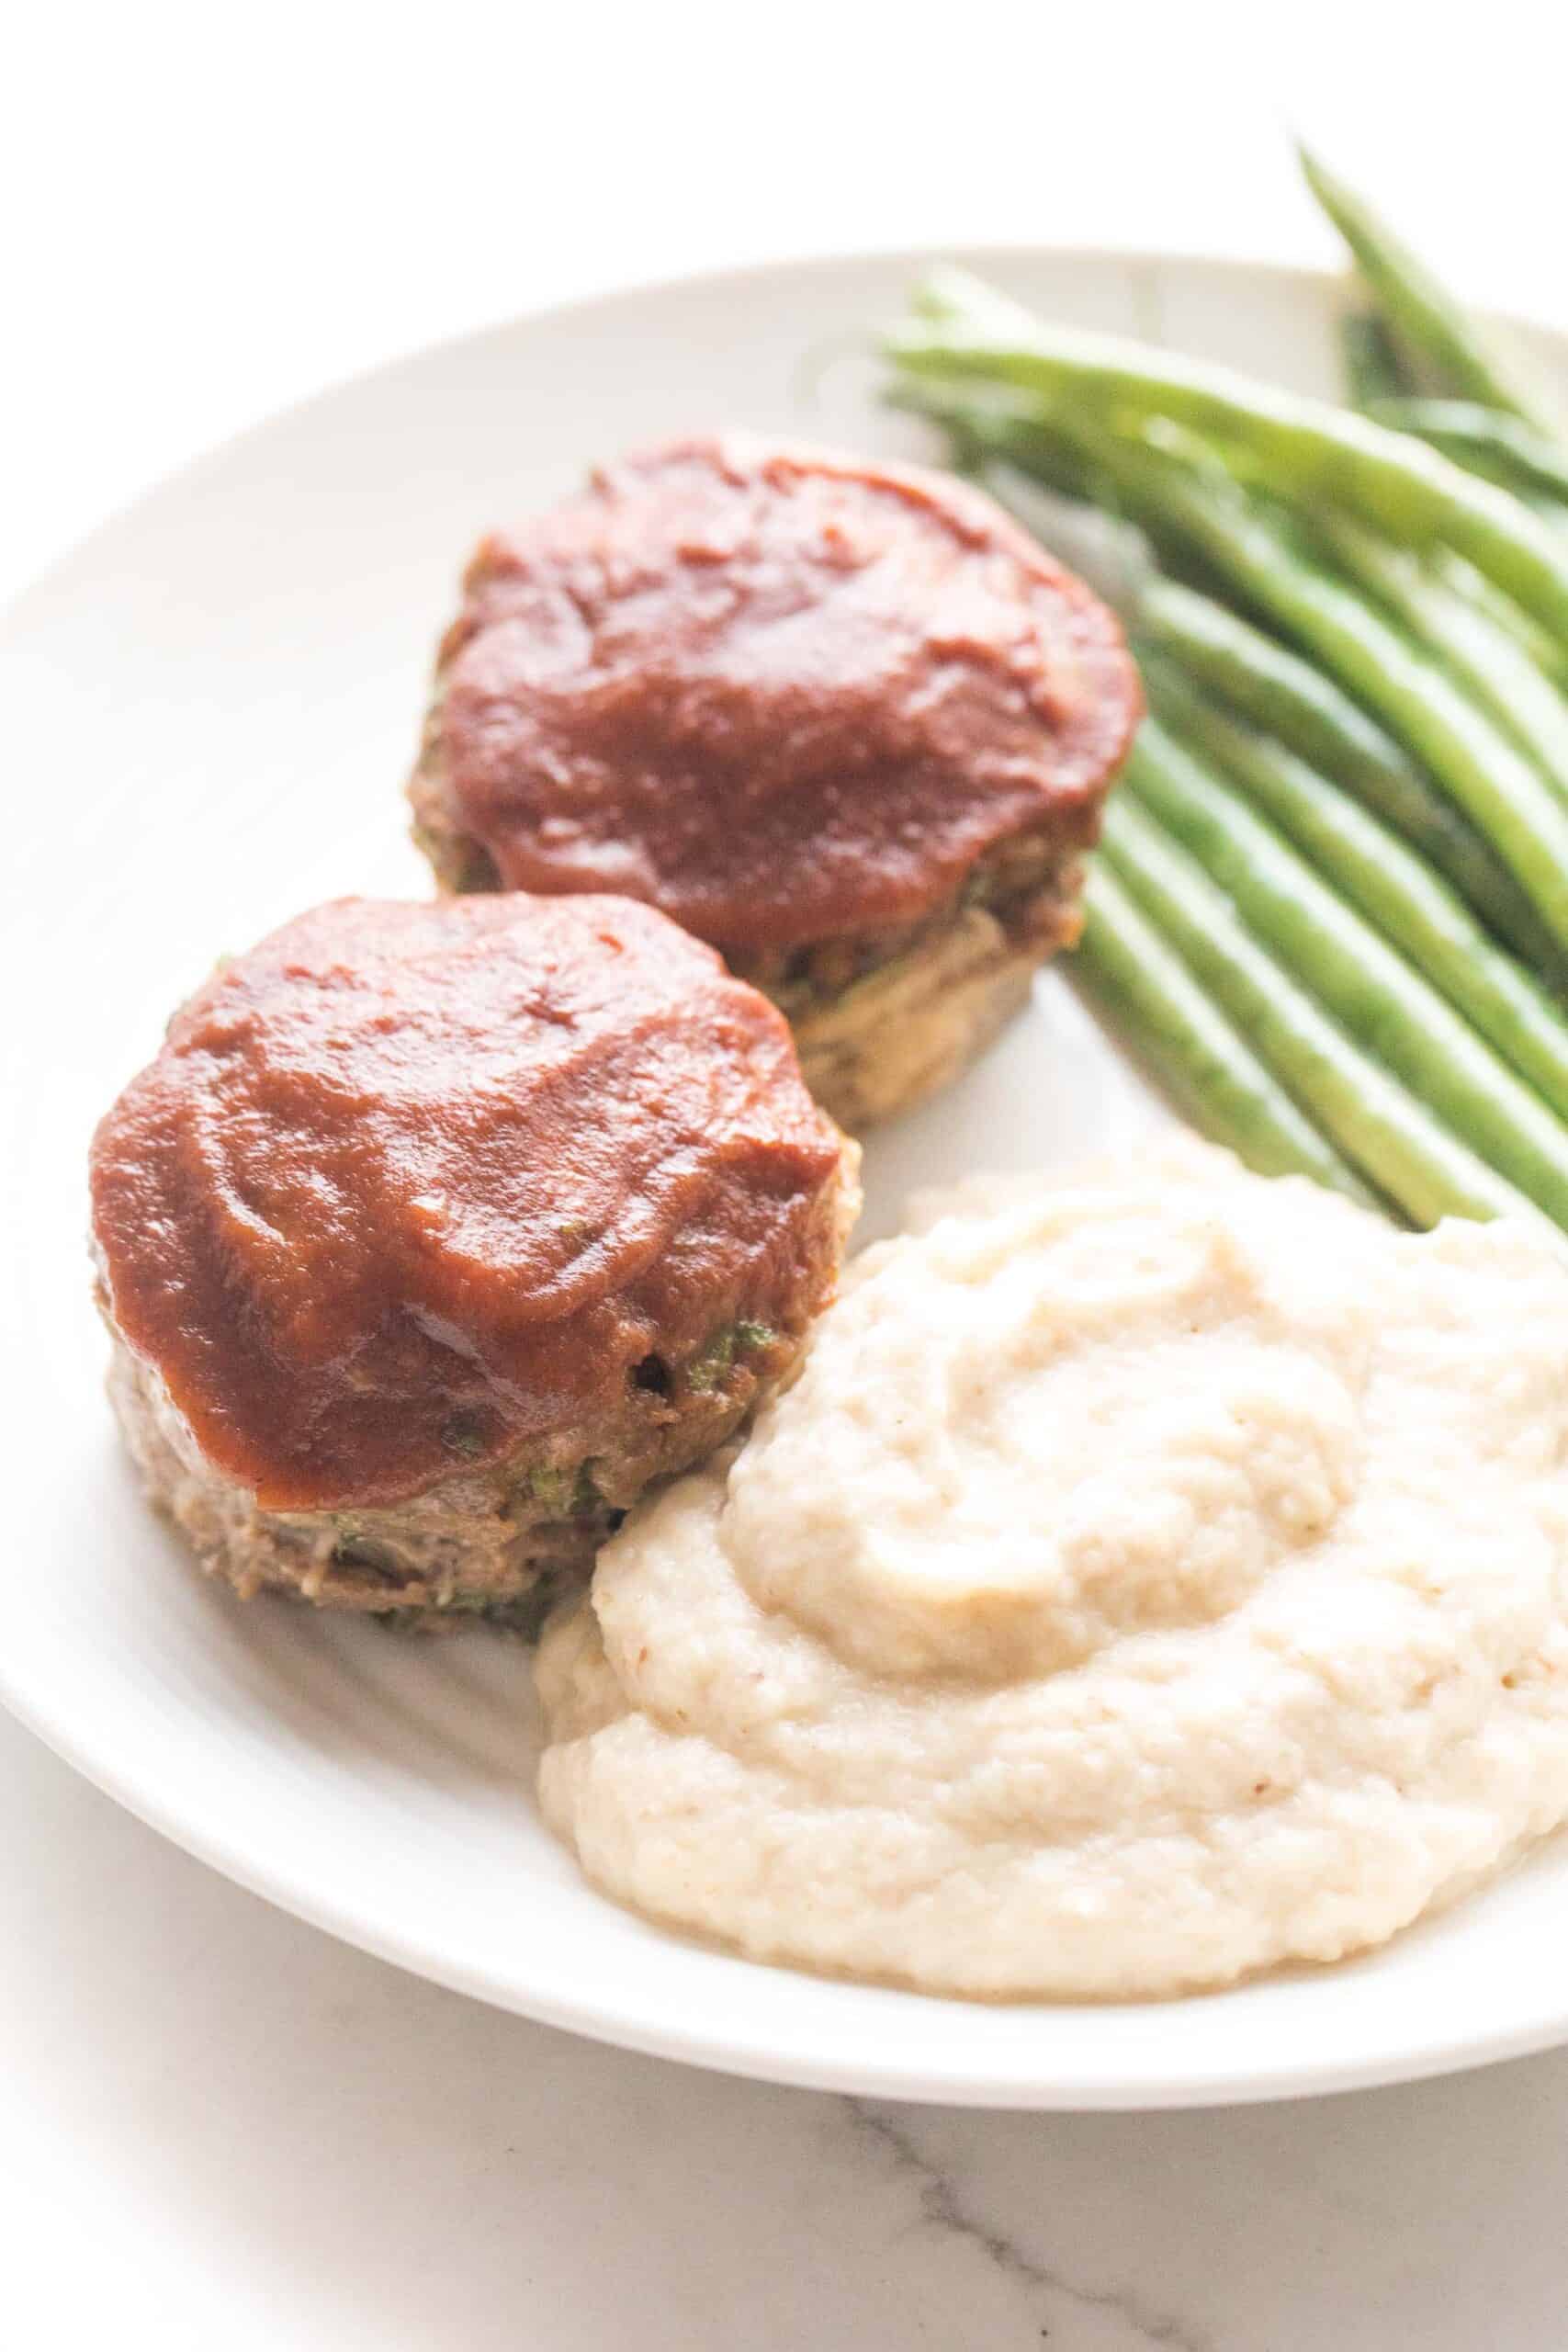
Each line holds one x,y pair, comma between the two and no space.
435,1233
846,721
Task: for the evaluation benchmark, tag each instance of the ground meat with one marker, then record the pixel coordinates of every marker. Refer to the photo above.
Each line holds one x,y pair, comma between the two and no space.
434,1232
501,1542
801,702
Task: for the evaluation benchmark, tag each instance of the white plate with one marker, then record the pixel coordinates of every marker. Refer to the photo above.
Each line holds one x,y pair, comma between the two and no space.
208,712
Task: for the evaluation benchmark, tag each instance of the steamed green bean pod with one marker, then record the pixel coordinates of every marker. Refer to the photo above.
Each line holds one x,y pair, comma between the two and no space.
1437,331
1374,1121
1500,790
1259,676
1369,987
1506,799
1374,374
1312,452
1396,891
1484,656
1144,990
1488,441
1463,579
1277,689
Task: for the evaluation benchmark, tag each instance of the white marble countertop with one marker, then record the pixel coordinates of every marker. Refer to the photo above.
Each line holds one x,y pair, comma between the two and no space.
220,2129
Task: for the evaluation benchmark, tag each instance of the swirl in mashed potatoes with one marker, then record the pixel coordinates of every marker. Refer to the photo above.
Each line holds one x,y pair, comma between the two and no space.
1154,1575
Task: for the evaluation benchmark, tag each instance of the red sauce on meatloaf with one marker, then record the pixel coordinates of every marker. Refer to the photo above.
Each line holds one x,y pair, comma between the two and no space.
780,694
408,1183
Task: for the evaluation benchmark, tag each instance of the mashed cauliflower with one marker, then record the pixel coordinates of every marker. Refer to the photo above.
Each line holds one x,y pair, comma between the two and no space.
1154,1575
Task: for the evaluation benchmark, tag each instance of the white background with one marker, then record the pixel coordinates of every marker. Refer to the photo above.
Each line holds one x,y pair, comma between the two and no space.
217,2128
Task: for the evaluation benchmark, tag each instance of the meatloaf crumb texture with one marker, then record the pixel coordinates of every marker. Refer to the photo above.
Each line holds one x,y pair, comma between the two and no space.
498,1539
435,1233
844,720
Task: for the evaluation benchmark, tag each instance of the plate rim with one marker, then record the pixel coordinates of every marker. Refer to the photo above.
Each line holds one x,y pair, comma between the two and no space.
1318,280
721,2052
718,2046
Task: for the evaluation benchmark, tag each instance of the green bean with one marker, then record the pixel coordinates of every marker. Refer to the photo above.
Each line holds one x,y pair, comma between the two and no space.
1308,711
1143,988
1509,803
1394,889
1465,581
1311,451
1506,799
1497,787
991,426
1514,816
1380,999
1487,441
1372,370
1481,654
1436,328
1111,554
1412,1159
1278,690
989,423
1267,681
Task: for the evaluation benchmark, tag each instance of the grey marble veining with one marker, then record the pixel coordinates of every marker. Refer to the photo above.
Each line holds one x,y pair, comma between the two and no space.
948,2204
